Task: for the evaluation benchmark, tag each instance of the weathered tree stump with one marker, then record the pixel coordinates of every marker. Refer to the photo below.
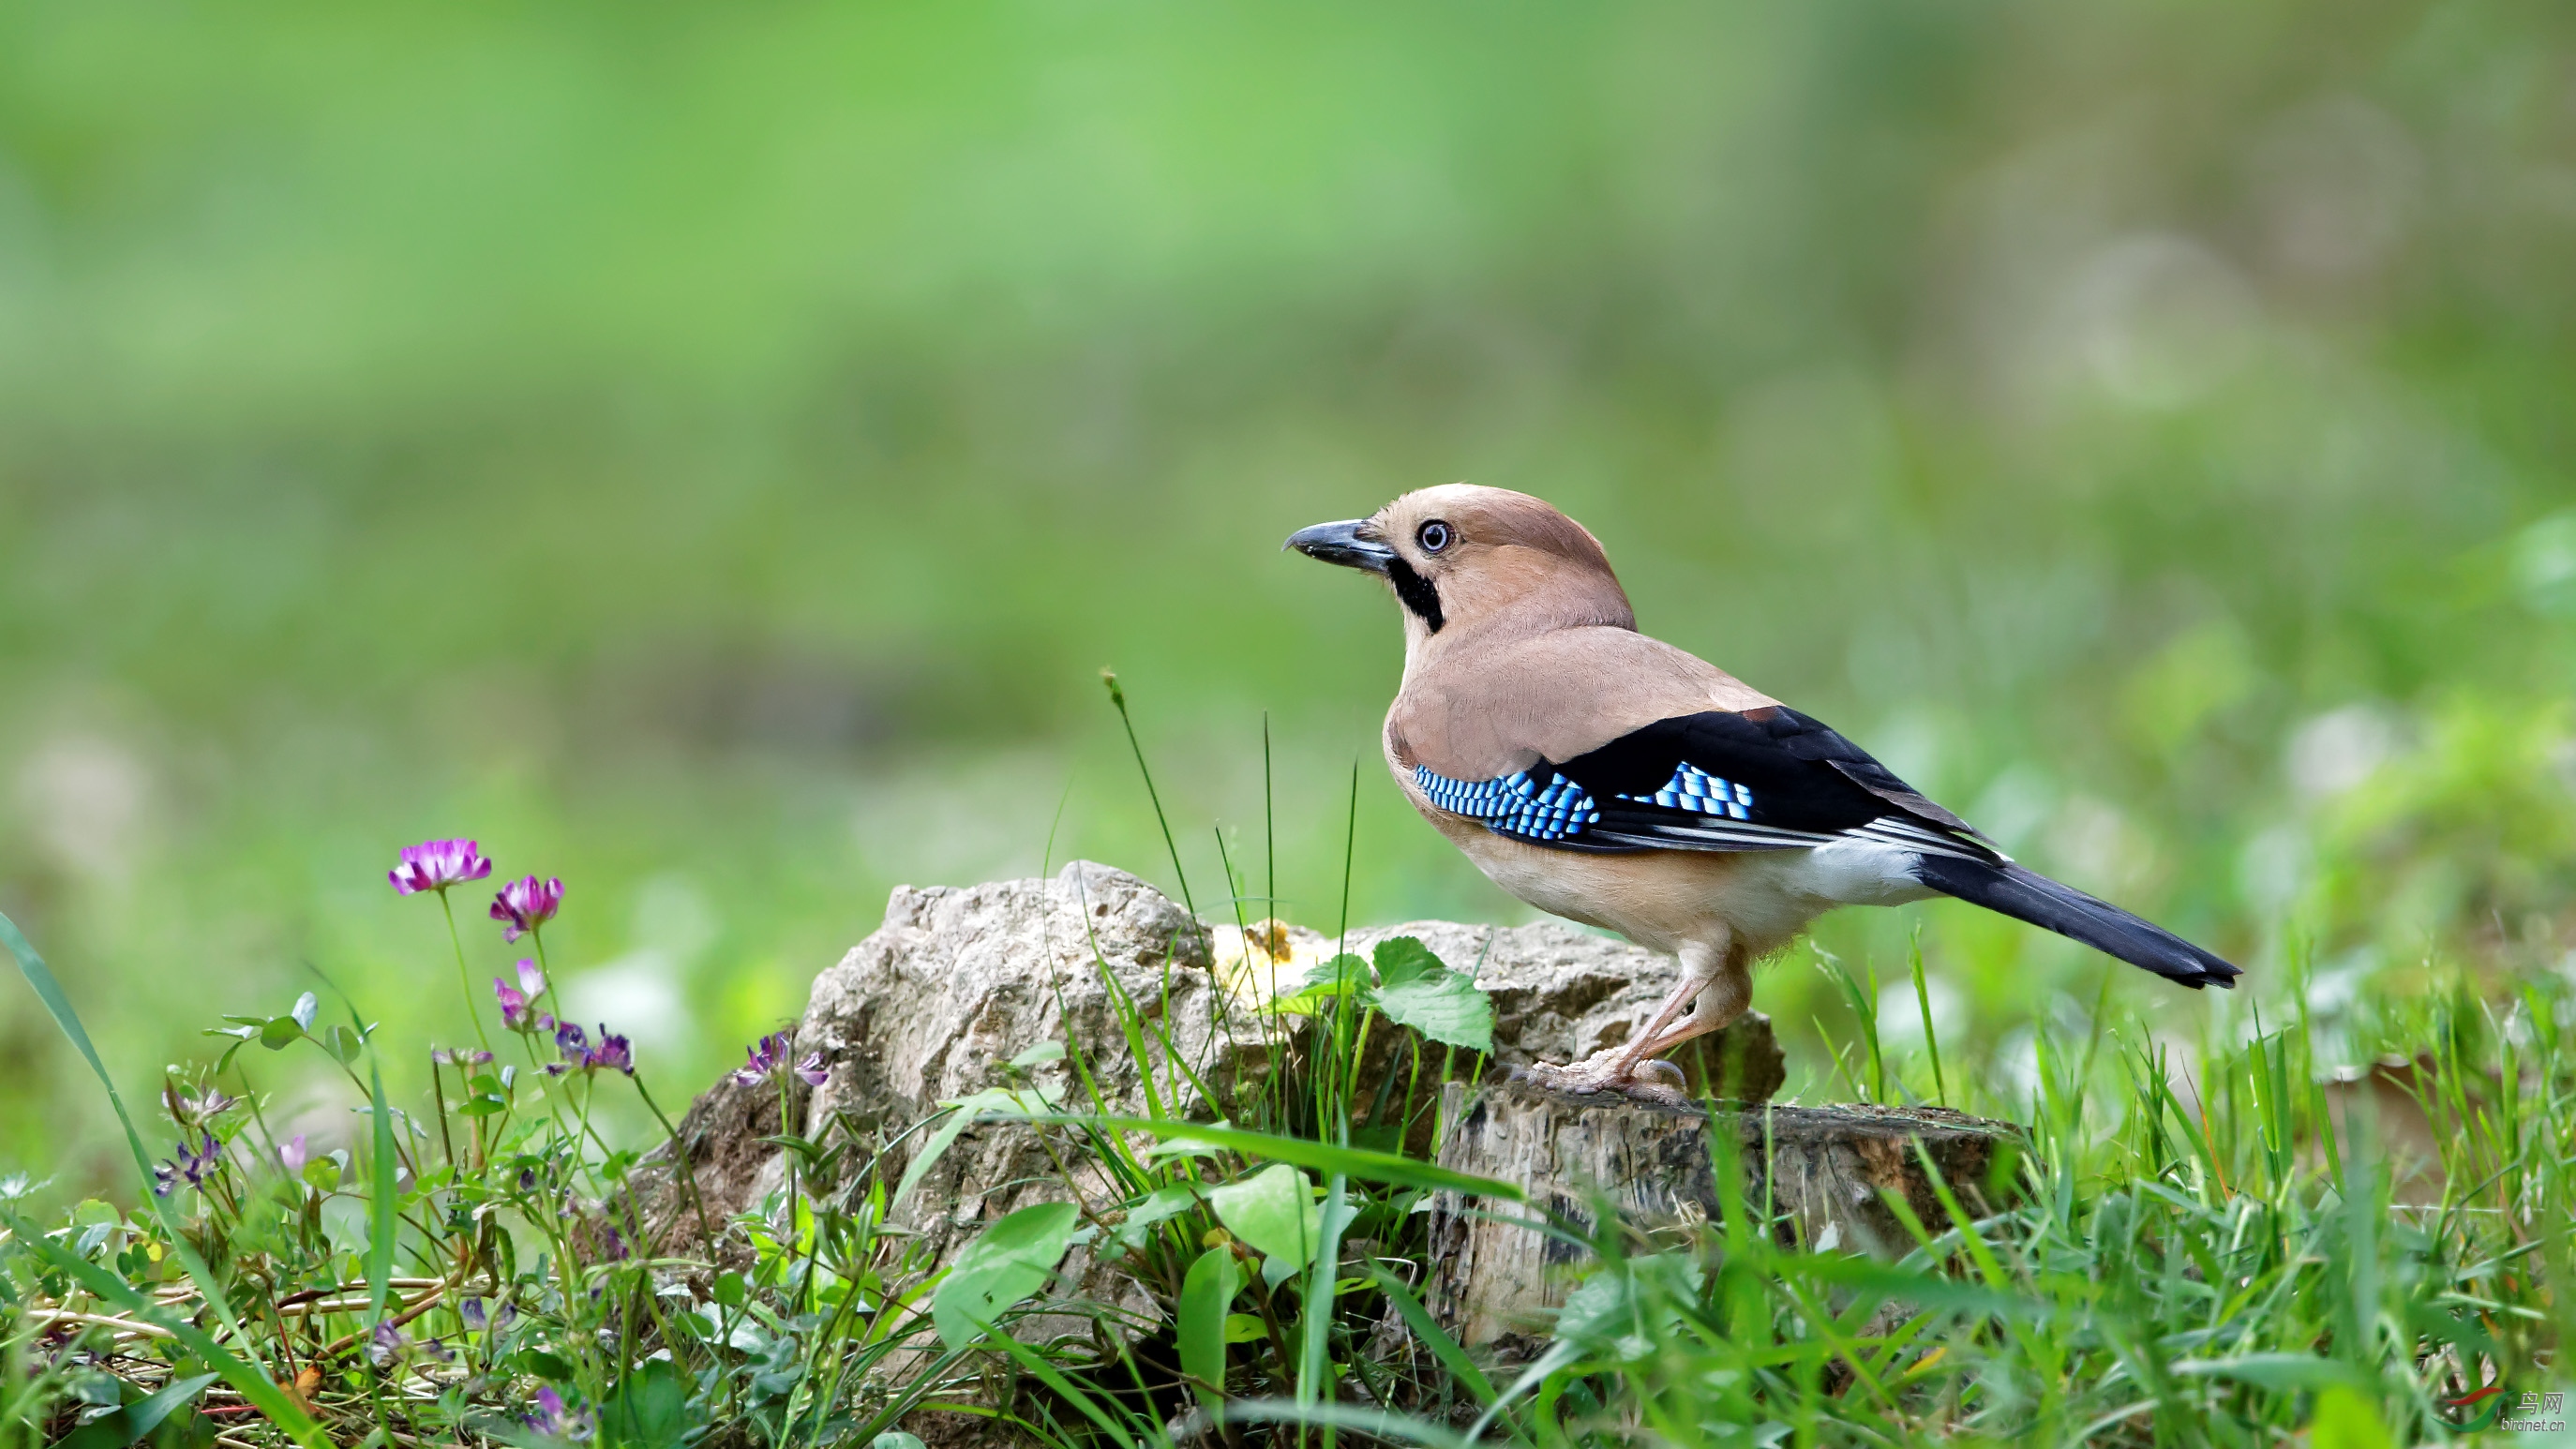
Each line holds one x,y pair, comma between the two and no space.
1821,1170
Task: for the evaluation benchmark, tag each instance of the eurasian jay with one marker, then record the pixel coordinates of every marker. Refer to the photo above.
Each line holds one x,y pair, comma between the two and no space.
1615,780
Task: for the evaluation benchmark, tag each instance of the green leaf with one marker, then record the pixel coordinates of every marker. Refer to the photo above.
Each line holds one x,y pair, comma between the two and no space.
1275,1211
1039,1055
253,1384
1400,959
2280,1372
281,1032
1344,975
1244,1328
992,1099
894,1439
1158,1206
381,1214
1627,1307
729,1289
1200,1322
135,1420
649,1409
343,1044
303,1010
1012,1260
1415,990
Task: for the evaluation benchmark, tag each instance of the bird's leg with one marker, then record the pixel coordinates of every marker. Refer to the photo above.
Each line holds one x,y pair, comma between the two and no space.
1704,976
1724,999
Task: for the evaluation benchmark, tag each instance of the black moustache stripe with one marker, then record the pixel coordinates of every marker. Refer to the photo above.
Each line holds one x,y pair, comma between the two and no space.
1416,592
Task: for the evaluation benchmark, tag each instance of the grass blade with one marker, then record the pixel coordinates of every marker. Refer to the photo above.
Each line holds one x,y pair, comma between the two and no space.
1359,1162
253,1383
1443,1347
247,1378
382,1204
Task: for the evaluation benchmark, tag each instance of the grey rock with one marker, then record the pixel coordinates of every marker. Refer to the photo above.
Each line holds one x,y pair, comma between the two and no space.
934,1004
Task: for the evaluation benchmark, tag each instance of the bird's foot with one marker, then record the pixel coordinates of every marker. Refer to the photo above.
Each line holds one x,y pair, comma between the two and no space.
1657,1082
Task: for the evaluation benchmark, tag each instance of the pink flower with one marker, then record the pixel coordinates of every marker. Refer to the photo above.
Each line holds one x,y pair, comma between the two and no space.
514,1004
812,1070
527,903
434,865
764,1058
290,1155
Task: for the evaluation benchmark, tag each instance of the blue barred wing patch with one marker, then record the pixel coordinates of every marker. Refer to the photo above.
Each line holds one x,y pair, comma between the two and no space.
1514,804
1696,790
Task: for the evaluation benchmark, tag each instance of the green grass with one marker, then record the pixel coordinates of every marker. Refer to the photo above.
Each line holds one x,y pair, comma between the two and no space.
2195,1250
708,453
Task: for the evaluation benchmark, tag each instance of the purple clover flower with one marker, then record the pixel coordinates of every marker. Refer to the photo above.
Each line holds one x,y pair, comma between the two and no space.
291,1155
387,1344
517,1001
556,1421
613,1051
434,865
192,1165
470,1313
525,904
762,1059
570,1039
812,1070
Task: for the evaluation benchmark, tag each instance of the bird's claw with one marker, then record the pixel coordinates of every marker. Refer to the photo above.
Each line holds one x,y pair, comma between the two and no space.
1658,1082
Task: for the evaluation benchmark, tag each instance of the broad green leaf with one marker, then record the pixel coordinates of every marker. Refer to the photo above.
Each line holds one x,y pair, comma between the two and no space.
135,1420
1344,975
1201,1321
1160,1205
649,1409
894,1439
1039,1055
281,1032
1244,1328
1275,1211
1415,990
1625,1308
1008,1263
1400,959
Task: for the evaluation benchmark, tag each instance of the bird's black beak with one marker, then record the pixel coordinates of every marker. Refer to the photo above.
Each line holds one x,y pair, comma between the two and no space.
1343,543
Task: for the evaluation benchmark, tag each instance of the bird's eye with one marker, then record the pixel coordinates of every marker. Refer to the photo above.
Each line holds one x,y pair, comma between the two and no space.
1433,536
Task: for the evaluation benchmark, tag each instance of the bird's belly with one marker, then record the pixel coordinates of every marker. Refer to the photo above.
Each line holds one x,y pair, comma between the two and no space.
1658,898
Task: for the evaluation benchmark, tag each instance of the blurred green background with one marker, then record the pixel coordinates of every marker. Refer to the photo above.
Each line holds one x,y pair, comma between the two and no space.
708,452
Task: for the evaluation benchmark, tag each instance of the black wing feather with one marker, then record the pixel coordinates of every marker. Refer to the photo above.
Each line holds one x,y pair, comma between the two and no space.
1808,784
1790,783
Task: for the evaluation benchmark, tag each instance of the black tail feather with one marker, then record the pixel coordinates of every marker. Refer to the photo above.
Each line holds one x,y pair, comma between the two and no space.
2028,896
